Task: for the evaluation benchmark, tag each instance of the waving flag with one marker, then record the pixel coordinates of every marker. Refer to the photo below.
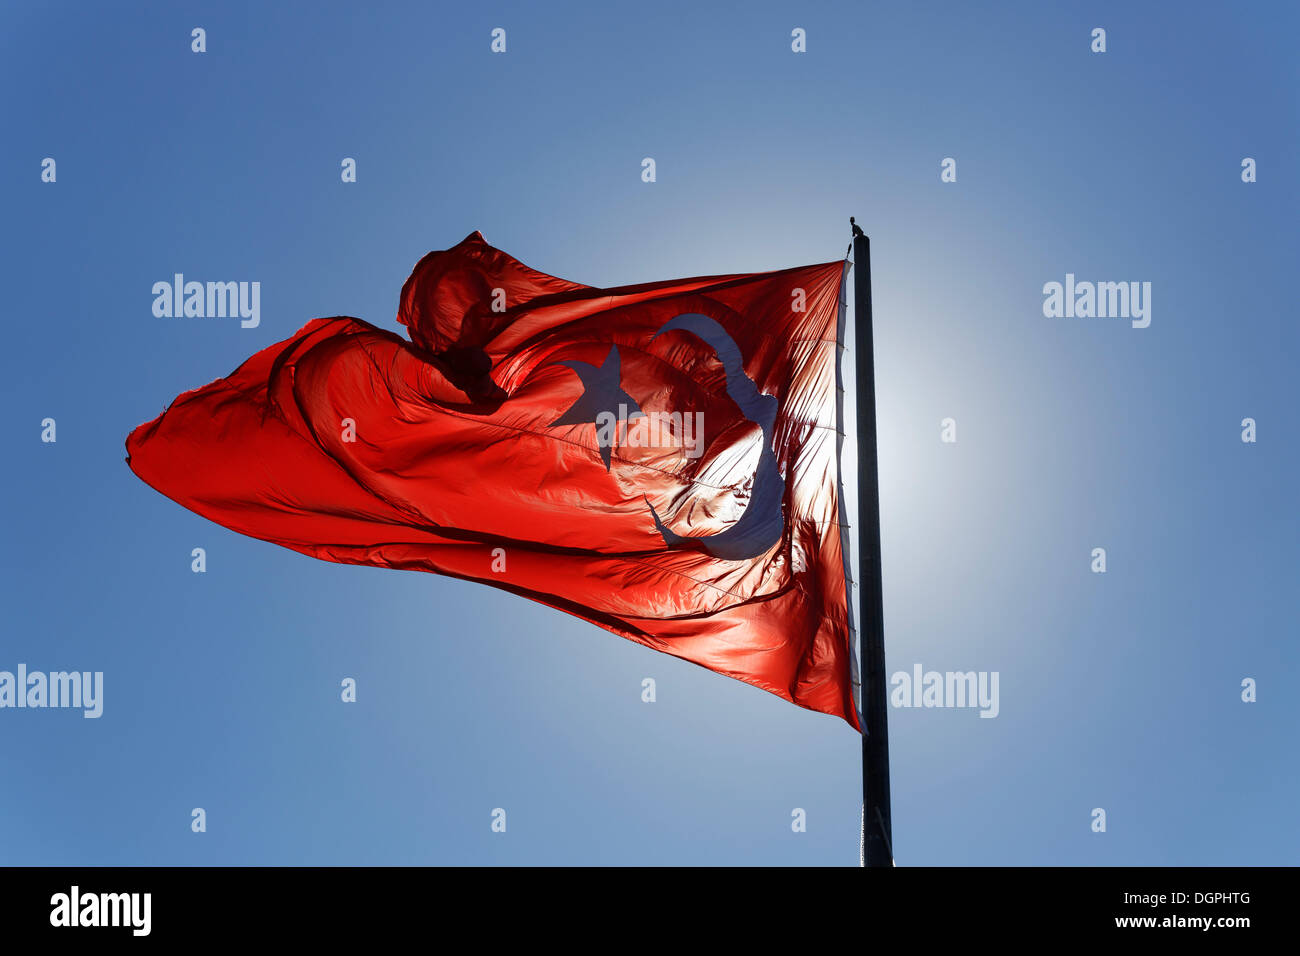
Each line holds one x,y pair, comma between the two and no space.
660,459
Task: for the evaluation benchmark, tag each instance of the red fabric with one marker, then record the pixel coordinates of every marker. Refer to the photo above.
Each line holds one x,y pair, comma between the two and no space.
458,451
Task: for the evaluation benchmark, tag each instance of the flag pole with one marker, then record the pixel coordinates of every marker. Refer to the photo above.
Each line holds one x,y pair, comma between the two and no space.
877,835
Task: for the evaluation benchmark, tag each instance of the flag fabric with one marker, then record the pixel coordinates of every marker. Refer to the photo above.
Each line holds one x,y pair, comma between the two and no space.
659,459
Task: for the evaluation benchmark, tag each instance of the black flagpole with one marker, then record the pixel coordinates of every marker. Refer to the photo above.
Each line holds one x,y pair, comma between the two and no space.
877,837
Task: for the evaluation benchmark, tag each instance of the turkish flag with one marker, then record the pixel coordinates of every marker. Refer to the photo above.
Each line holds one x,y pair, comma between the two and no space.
660,459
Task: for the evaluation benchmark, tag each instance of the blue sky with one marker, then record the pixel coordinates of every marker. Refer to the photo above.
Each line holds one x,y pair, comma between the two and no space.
1118,690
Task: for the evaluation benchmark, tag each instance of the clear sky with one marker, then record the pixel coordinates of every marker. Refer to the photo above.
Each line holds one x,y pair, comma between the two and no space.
1119,691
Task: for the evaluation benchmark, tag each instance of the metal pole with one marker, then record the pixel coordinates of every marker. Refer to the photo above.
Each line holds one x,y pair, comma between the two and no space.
878,835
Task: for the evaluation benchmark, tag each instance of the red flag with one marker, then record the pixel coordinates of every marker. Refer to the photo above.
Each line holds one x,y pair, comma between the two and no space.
660,459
